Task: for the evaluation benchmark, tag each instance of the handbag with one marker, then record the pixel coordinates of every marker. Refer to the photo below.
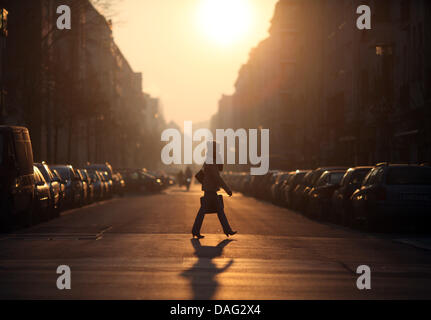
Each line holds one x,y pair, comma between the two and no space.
212,204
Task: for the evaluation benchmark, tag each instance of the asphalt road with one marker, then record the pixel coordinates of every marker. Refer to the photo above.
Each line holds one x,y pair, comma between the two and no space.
140,247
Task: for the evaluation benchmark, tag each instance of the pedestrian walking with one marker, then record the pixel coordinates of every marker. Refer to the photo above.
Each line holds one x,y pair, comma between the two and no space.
211,181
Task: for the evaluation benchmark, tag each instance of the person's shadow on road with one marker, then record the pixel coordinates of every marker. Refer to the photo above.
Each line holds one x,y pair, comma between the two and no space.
202,275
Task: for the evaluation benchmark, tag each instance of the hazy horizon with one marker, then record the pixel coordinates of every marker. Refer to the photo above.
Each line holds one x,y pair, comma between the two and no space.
186,58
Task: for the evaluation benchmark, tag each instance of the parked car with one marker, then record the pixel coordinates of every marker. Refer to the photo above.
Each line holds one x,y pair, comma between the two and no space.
120,185
72,183
85,188
142,181
276,187
98,185
16,177
150,183
57,177
54,187
102,167
109,185
320,196
245,183
289,186
298,193
341,203
262,185
86,180
391,194
315,176
42,198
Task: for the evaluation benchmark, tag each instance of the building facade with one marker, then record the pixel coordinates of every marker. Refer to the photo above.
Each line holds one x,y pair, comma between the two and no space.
332,94
74,89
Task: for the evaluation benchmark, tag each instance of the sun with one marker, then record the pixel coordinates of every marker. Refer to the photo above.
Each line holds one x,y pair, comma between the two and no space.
224,21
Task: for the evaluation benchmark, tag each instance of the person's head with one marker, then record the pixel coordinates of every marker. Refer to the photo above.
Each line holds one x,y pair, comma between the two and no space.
213,155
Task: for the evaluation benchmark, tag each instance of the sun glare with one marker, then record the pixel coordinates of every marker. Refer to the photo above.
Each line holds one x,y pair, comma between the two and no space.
224,21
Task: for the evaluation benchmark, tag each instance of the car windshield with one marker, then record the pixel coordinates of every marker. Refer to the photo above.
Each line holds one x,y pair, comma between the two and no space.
315,177
359,175
409,176
307,178
335,178
299,177
79,175
63,172
84,174
45,173
56,175
283,177
322,180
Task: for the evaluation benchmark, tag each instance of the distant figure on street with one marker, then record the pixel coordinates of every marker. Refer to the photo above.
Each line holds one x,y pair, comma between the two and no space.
211,183
180,178
188,177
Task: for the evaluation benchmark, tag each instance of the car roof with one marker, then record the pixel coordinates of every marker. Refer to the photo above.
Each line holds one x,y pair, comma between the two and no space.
361,168
399,165
12,128
331,168
326,172
334,171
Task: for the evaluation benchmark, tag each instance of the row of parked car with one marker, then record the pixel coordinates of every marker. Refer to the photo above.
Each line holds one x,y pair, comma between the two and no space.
373,197
61,187
145,181
34,192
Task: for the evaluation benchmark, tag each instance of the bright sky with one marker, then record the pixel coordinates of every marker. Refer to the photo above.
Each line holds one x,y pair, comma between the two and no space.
190,51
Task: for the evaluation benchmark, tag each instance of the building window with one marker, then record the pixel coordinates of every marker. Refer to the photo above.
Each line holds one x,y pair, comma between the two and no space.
384,50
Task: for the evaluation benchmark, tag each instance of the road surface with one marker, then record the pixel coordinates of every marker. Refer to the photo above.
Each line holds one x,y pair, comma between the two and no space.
140,247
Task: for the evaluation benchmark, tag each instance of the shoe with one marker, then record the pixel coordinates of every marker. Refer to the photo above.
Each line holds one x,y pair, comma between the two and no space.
198,235
230,233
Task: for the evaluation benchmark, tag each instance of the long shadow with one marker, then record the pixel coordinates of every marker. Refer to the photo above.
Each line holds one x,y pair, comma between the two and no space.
202,275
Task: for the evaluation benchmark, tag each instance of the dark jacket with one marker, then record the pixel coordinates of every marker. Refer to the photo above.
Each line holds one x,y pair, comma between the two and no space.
212,180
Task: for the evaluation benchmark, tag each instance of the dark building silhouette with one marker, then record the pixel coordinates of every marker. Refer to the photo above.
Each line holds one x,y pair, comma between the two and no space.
332,94
74,89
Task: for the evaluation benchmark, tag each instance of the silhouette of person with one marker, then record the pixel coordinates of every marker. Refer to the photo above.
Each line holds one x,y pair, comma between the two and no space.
212,181
180,178
188,173
202,275
188,177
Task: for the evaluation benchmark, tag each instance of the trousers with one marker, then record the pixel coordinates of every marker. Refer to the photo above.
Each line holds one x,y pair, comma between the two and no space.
210,197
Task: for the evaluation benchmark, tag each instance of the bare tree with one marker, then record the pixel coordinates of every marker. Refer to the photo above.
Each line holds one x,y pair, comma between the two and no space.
106,7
